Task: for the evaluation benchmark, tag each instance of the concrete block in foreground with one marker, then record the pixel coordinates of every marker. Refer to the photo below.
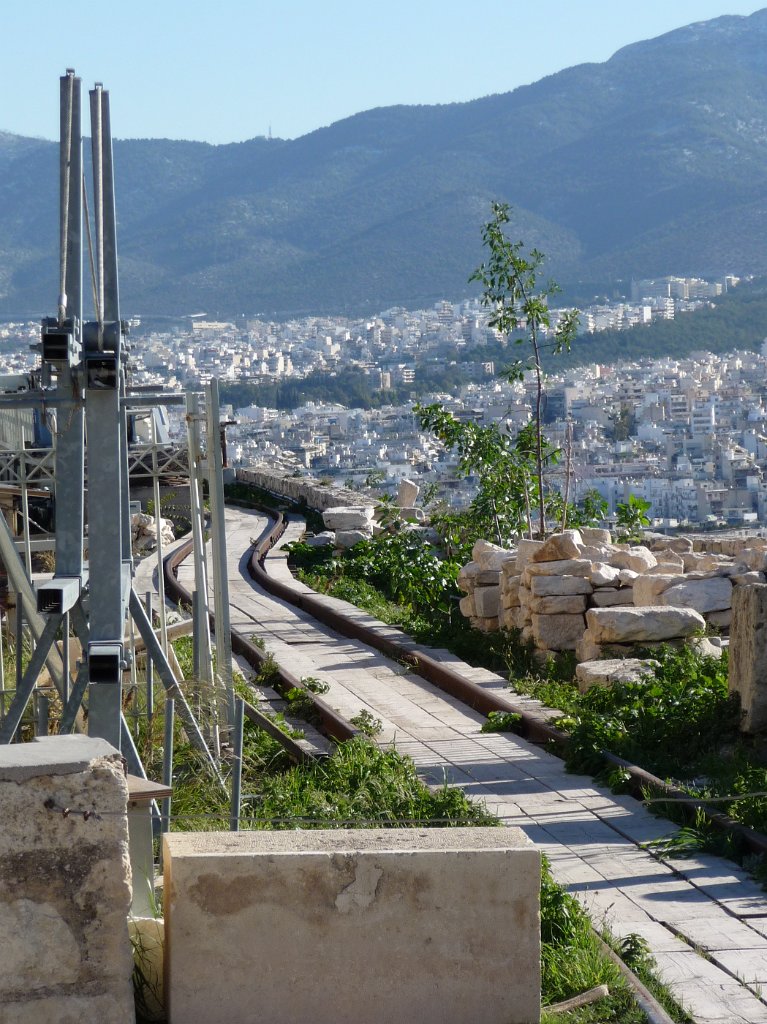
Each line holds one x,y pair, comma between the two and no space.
438,926
64,883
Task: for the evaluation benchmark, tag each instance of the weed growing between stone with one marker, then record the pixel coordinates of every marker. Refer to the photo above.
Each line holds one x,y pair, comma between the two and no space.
572,961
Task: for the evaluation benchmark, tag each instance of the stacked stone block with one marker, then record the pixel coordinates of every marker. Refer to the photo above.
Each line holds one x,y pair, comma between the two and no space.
351,523
569,592
480,580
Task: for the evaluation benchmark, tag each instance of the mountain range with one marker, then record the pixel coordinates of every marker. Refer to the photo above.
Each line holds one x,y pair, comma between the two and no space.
653,162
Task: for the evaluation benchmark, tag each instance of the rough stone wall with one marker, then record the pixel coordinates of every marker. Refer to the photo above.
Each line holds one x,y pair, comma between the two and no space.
318,496
64,884
579,591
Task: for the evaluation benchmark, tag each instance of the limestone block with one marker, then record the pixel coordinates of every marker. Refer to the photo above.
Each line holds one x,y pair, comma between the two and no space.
700,562
604,575
524,596
609,597
666,569
638,558
467,607
676,544
488,578
557,632
668,556
720,570
320,540
679,544
746,578
407,493
412,514
598,552
710,595
144,531
720,620
489,556
593,535
348,538
559,586
64,883
509,568
560,545
734,545
638,625
573,605
705,647
613,670
510,590
626,577
586,649
467,576
561,567
522,618
507,618
486,602
526,634
525,550
754,558
648,588
353,925
748,655
486,625
349,517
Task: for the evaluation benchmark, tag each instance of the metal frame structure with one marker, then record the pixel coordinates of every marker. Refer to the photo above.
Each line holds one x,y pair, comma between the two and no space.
80,390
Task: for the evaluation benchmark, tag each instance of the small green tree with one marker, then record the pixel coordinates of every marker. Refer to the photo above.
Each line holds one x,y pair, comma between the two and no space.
502,467
517,304
631,518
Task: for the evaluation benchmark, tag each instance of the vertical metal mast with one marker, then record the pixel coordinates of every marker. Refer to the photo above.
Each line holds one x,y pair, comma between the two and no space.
109,573
69,436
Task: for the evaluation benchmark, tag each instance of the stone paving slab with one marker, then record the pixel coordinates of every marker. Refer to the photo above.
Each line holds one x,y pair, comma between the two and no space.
706,991
717,934
589,835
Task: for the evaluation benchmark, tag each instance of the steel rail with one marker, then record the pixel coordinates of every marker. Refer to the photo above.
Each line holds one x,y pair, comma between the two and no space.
331,722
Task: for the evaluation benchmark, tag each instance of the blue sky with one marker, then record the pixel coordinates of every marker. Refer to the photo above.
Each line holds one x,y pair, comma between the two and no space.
228,70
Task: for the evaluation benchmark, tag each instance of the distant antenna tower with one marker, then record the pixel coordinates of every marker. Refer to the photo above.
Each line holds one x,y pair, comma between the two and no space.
270,133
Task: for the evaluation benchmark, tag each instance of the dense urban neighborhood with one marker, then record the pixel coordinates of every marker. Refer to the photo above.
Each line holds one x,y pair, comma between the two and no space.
688,435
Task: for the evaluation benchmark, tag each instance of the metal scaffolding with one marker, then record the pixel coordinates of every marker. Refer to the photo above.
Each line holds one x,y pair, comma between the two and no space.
80,396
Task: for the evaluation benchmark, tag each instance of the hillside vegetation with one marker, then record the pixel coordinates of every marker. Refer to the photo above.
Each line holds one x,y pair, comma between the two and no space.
653,162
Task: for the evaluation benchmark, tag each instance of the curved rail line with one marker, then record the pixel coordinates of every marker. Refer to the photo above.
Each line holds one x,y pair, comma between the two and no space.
330,721
534,727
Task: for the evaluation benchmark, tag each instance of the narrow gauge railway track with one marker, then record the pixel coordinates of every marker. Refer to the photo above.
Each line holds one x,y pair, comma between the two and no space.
533,726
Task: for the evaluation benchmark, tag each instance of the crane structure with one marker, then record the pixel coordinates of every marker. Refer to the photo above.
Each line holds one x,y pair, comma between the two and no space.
80,392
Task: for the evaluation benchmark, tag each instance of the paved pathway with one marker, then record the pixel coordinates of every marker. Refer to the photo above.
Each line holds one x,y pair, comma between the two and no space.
591,837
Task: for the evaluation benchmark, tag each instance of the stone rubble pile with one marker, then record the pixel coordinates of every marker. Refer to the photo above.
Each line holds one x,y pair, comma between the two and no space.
144,532
578,591
351,523
354,523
